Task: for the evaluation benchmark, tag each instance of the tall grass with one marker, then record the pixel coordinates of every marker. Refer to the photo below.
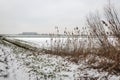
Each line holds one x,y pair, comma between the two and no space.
106,49
97,42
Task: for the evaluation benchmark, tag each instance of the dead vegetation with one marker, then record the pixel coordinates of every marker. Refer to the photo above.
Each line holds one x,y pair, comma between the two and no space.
97,32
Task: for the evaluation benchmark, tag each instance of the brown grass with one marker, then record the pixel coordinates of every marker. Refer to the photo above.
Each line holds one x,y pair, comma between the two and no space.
76,48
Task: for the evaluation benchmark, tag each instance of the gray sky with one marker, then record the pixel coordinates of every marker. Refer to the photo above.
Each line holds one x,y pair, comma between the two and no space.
17,16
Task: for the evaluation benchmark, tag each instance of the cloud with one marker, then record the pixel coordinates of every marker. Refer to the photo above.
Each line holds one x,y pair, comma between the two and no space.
42,15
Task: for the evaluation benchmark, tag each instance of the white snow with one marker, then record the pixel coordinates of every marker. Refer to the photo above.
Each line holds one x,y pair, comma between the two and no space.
13,70
25,66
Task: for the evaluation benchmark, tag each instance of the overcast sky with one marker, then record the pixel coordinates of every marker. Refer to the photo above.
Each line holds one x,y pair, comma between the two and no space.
17,16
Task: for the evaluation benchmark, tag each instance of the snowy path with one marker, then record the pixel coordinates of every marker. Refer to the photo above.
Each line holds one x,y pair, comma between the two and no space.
10,67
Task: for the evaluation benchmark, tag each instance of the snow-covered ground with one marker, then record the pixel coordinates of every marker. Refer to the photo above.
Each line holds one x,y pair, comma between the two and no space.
20,64
10,67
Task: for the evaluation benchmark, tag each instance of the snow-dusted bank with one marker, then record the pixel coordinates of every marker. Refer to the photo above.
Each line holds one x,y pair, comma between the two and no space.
20,64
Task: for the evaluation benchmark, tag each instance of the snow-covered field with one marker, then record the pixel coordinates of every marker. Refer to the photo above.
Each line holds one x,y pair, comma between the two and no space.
20,64
46,42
